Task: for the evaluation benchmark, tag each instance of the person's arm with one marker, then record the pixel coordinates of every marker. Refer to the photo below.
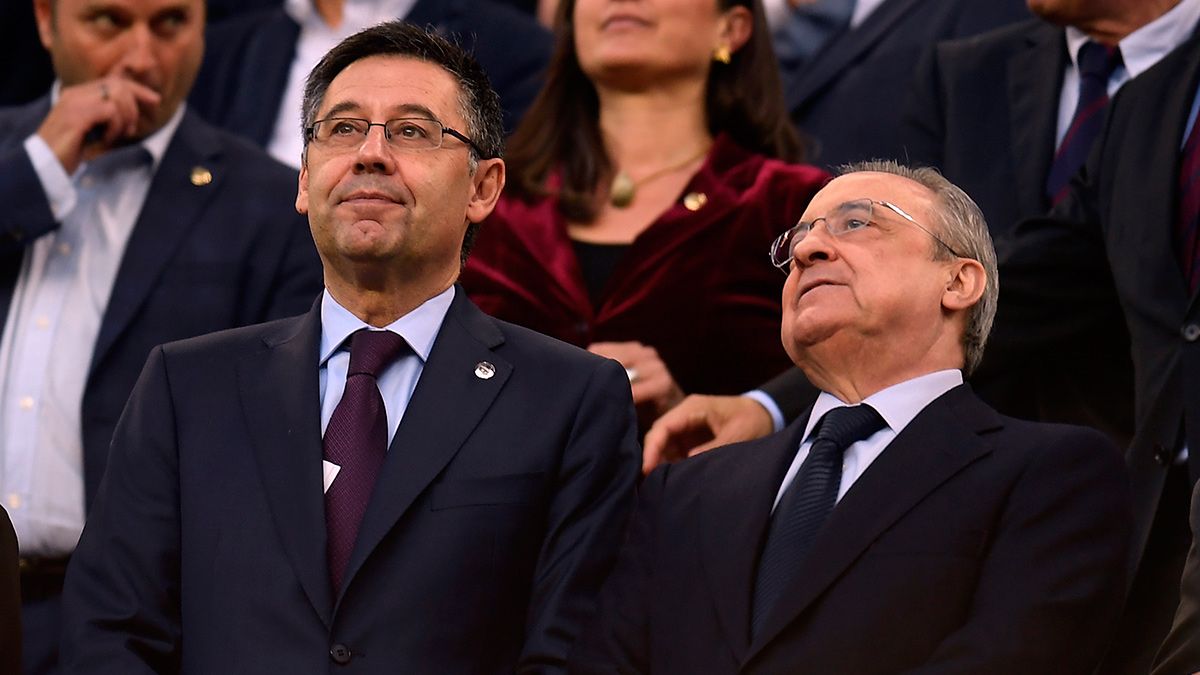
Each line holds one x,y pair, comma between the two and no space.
1052,581
585,520
1180,652
121,597
10,598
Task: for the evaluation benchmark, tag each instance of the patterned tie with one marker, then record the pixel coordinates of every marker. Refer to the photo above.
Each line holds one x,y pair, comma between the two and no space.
1096,66
807,503
805,29
356,441
1188,219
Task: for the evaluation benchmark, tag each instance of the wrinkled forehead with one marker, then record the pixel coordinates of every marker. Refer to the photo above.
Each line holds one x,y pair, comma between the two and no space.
914,198
387,87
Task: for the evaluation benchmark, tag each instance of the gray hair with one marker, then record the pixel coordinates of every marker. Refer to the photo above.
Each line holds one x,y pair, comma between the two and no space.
962,227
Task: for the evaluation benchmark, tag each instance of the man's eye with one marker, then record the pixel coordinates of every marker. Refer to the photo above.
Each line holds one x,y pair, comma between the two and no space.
343,129
856,224
411,131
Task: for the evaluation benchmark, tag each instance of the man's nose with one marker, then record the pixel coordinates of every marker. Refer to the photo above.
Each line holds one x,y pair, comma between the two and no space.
137,60
818,244
375,152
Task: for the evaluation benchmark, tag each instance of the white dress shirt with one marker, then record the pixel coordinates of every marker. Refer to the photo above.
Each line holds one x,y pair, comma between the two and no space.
897,405
59,301
317,38
1140,50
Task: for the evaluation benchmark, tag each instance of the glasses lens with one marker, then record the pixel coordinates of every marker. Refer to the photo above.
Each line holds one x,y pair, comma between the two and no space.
781,249
340,130
414,133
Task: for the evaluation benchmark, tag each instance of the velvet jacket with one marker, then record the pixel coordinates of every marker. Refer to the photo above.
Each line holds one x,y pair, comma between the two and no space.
697,285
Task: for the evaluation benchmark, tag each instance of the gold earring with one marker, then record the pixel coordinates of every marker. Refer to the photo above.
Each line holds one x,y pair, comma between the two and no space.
722,54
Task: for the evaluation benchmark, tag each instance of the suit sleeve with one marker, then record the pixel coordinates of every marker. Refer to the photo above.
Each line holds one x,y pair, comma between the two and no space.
10,598
618,641
1180,652
792,392
1051,586
121,598
26,215
585,520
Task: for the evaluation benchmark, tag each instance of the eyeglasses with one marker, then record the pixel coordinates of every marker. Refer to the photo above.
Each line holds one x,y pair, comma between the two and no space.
404,133
849,217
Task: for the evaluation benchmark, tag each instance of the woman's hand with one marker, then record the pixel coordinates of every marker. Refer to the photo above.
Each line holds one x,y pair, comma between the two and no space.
654,389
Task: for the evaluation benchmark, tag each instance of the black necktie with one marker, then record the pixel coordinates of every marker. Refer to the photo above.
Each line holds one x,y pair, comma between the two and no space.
1096,66
356,440
807,503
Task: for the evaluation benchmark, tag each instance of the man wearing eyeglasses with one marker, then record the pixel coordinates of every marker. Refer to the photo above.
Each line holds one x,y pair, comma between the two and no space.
900,524
391,483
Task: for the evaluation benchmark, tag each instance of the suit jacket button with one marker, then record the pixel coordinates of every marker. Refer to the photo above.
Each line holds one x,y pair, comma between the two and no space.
340,654
1162,455
1191,332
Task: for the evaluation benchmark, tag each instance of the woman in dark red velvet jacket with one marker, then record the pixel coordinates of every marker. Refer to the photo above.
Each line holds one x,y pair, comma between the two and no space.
646,185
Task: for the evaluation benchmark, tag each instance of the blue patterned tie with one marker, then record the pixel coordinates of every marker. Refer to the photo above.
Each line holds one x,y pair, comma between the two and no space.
1096,66
1187,222
807,503
356,441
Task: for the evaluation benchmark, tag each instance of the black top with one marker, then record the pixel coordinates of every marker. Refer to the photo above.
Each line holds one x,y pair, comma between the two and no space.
597,262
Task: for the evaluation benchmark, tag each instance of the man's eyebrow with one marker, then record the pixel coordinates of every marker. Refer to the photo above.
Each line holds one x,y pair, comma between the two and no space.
402,110
343,107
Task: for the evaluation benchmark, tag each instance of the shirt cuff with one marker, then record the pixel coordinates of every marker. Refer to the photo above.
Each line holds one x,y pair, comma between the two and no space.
767,402
60,192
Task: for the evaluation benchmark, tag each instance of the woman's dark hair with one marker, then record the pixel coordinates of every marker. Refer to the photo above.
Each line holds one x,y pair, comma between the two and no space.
561,130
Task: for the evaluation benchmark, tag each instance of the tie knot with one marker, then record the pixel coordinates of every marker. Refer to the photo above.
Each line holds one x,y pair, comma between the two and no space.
849,424
1097,60
371,350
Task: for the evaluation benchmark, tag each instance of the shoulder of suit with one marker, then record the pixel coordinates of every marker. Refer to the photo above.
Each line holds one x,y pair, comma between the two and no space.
233,342
523,343
999,42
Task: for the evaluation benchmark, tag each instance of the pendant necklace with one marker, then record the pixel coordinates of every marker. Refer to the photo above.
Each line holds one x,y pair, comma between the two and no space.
624,188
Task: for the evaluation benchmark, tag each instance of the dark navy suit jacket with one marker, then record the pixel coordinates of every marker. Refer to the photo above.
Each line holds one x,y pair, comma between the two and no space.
248,57
975,543
201,257
496,515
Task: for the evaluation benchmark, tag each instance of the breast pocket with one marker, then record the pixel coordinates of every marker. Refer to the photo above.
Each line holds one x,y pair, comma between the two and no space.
493,490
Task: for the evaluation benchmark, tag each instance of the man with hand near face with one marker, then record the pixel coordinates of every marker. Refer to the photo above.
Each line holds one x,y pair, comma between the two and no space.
127,222
391,483
900,525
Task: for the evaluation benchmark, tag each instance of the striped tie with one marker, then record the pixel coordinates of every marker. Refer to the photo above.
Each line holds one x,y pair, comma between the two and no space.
807,503
1096,66
1188,222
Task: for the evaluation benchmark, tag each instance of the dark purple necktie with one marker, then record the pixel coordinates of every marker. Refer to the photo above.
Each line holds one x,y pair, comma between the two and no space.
1188,221
1096,66
807,503
356,441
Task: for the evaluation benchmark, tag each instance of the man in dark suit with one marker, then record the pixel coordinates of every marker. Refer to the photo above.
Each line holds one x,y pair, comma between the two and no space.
252,77
849,97
128,222
943,537
10,598
473,540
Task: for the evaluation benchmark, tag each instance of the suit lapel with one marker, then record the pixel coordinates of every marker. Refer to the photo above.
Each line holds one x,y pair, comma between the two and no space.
172,207
937,444
1034,86
734,520
449,401
281,401
845,50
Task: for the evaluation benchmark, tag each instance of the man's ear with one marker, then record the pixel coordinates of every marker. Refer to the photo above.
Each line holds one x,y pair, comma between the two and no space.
44,13
965,285
486,184
302,189
737,25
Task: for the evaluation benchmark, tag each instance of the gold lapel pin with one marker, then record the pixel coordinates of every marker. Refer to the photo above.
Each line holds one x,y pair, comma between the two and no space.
694,201
201,176
484,370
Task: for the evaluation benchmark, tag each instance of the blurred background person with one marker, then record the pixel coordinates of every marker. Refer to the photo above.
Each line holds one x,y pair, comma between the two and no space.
253,75
645,183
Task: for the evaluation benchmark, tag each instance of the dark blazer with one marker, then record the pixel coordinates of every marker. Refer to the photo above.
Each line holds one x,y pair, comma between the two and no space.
495,517
974,544
10,598
201,257
1180,652
247,59
1113,238
849,97
984,111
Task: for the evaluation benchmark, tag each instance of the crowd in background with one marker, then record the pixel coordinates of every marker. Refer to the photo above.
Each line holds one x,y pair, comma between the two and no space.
646,183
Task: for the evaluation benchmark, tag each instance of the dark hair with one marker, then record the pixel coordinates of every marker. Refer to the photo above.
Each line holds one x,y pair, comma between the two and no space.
561,131
479,103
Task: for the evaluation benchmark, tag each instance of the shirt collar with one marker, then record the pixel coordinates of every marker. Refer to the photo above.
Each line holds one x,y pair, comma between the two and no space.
157,142
419,327
897,404
354,13
1146,46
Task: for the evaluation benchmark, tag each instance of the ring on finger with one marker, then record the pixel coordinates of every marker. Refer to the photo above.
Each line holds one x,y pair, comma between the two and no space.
103,91
632,374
